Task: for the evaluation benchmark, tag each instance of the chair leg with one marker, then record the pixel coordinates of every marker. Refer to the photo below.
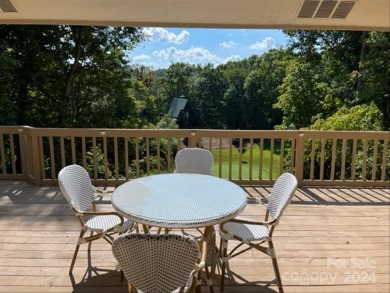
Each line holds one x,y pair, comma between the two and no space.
145,228
82,232
223,254
276,267
195,287
131,288
90,242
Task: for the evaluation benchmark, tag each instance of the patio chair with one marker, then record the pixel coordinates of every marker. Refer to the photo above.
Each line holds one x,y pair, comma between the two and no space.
159,263
76,186
252,233
194,160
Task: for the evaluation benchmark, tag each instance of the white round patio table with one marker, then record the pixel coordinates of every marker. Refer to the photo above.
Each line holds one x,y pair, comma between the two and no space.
179,200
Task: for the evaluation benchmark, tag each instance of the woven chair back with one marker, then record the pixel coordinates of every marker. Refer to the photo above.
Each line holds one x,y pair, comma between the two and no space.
195,161
76,186
156,263
281,194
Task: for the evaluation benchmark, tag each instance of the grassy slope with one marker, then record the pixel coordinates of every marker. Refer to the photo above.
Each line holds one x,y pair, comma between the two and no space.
245,165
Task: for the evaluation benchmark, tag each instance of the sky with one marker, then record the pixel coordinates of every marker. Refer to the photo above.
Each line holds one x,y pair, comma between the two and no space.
165,46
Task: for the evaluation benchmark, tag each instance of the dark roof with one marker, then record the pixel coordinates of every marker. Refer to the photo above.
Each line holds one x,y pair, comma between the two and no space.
177,105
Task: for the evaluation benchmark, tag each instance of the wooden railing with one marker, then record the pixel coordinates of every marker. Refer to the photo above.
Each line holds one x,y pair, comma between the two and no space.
112,156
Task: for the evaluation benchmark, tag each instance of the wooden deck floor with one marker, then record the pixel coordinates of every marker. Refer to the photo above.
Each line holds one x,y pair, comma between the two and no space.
329,240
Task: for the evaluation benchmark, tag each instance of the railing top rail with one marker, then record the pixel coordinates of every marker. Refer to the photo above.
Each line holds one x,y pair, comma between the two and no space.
215,133
208,131
346,134
12,129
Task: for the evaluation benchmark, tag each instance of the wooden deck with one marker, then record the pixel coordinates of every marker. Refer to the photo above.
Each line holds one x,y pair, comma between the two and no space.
329,240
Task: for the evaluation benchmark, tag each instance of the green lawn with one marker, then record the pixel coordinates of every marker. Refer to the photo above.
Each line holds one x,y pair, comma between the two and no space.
245,165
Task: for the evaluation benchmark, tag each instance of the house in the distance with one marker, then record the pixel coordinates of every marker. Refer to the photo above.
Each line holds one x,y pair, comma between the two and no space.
181,111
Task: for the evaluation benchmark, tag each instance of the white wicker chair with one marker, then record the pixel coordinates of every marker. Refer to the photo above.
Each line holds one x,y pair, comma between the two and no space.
252,233
76,186
158,263
194,160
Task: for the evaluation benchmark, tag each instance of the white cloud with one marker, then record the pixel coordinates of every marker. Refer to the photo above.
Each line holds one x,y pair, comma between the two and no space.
231,58
266,44
191,55
230,44
141,58
159,34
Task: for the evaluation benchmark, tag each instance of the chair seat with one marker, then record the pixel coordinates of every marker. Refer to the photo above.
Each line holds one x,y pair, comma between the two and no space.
246,232
104,223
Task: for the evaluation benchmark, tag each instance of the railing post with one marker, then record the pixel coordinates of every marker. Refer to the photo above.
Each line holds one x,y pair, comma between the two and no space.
192,139
299,157
23,152
35,159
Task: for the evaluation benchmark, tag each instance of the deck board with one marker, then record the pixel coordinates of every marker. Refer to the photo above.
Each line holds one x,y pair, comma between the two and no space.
329,240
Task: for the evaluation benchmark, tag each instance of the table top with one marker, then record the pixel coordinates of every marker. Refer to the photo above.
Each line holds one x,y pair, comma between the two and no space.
179,200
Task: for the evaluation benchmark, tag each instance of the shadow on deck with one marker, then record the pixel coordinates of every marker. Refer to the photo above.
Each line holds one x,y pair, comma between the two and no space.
329,240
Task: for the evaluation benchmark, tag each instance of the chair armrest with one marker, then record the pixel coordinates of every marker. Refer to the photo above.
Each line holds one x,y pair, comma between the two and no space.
248,222
262,200
90,213
99,192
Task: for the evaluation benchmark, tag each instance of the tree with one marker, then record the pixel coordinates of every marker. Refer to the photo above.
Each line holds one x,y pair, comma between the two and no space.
208,91
176,82
365,117
375,74
234,97
358,118
8,109
145,110
261,90
338,53
304,96
69,76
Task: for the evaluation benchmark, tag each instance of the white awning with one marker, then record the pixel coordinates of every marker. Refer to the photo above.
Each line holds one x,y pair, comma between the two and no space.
282,14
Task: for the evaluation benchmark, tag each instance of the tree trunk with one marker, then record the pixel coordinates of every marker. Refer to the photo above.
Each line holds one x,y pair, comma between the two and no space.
77,32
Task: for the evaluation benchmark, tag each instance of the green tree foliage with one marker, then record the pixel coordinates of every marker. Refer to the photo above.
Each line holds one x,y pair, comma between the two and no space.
234,97
175,82
76,76
177,78
354,65
365,117
362,117
160,150
68,76
8,108
304,95
337,54
375,74
261,90
345,47
166,123
208,92
144,110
